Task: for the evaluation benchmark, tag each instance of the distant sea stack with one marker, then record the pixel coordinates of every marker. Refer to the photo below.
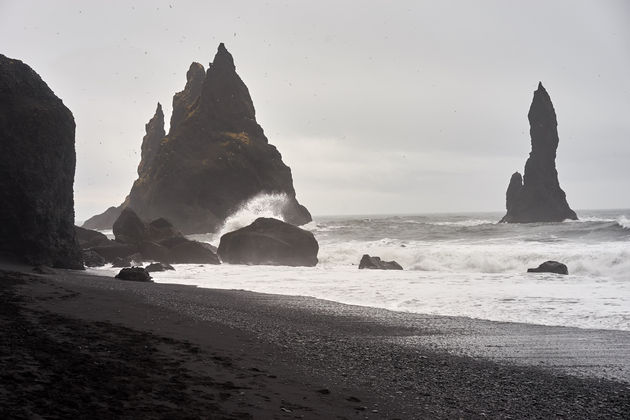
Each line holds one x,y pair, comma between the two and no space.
537,197
37,162
214,158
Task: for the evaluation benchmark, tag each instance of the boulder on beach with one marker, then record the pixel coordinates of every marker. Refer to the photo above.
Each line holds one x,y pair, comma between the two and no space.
37,163
158,267
214,159
375,263
537,197
550,267
271,242
134,274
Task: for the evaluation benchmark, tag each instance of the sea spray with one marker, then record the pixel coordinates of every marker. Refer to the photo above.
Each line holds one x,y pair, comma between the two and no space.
261,205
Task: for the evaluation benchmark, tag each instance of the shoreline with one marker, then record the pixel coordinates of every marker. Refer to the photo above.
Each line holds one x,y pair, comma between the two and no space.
401,365
571,314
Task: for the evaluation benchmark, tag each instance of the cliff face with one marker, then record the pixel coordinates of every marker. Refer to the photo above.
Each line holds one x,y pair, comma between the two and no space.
37,162
214,158
538,196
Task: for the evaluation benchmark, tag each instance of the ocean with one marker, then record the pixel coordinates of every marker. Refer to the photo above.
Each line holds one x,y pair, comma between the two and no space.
459,264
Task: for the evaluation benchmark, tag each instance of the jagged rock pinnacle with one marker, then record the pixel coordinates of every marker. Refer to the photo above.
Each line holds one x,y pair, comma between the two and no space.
538,196
151,140
215,157
223,60
184,100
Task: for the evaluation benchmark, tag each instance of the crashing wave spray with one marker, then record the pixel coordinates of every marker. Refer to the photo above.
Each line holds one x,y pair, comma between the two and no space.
261,205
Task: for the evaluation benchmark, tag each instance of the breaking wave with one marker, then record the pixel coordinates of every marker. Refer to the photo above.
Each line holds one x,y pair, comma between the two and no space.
582,259
261,205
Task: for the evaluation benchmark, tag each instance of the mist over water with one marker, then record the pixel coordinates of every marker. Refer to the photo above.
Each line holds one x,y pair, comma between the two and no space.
455,264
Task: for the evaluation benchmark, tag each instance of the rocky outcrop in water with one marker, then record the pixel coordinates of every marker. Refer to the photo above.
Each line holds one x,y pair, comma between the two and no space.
550,267
375,263
537,197
37,162
214,159
270,242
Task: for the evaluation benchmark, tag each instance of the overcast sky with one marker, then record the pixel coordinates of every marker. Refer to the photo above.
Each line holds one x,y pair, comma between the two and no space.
377,107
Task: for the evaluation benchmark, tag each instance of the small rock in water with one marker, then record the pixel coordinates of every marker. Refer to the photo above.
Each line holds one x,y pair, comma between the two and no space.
158,267
550,267
134,274
375,263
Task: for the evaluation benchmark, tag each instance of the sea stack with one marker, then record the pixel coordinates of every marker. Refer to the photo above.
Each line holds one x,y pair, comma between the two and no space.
37,163
214,158
537,197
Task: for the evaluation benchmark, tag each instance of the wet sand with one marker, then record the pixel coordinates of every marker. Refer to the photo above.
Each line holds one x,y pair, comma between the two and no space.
77,345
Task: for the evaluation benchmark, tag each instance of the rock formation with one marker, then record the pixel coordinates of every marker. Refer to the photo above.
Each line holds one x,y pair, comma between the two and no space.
375,263
184,100
270,242
151,268
151,141
538,196
550,267
104,220
134,274
37,162
156,241
214,158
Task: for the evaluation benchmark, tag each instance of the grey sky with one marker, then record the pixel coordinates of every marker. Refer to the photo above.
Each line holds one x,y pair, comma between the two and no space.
377,107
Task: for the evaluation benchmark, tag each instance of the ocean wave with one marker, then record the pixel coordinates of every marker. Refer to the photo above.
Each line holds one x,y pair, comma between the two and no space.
623,222
609,260
470,222
261,205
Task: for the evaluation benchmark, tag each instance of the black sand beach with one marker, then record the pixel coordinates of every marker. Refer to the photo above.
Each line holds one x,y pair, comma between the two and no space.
78,346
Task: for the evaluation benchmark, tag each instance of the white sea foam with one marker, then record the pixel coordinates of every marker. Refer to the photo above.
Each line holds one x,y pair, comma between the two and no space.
475,272
469,222
623,222
574,300
611,260
261,205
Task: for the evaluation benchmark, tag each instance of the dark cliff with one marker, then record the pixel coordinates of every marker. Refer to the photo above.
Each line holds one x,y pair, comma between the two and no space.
214,158
36,170
538,196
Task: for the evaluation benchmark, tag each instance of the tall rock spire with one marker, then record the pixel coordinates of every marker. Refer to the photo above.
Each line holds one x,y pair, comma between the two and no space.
538,196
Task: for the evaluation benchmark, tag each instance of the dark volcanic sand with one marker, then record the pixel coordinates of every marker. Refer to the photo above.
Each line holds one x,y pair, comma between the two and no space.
79,346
